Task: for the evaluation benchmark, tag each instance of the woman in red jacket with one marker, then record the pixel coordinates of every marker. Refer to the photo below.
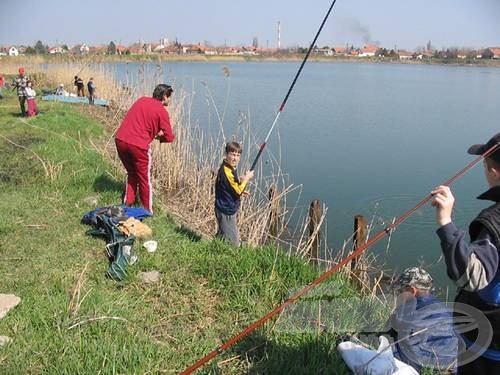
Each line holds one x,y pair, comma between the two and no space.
146,120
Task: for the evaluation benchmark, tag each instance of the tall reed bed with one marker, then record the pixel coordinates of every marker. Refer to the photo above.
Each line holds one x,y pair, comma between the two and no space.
47,75
185,170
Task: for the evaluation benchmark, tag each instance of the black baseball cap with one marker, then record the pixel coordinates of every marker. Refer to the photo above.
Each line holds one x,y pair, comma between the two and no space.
482,148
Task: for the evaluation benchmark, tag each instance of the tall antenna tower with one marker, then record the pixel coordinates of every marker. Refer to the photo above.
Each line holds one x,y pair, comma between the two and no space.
279,35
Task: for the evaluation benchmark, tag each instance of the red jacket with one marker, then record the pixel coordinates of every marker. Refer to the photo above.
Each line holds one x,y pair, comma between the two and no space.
143,122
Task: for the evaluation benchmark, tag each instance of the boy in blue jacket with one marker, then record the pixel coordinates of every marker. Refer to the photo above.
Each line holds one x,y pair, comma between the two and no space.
421,325
474,265
228,191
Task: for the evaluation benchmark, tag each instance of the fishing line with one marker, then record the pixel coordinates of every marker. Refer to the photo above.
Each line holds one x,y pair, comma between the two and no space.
329,272
282,106
391,345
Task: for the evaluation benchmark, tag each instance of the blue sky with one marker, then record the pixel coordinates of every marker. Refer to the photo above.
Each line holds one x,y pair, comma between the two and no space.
404,23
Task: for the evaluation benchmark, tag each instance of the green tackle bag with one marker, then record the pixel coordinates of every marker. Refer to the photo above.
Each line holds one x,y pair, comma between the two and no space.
117,269
118,247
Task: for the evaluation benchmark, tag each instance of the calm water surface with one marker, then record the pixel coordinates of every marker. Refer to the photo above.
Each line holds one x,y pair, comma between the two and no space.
370,139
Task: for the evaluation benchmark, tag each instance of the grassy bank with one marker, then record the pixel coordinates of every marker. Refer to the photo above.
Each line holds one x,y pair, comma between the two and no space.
73,320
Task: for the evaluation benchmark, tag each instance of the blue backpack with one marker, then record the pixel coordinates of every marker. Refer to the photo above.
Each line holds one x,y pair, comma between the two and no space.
117,213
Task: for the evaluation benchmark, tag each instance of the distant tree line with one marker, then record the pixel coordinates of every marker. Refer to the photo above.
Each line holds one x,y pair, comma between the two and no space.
39,48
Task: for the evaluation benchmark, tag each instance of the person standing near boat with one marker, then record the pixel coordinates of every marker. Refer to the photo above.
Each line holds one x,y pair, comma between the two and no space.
30,98
146,120
20,85
80,91
91,90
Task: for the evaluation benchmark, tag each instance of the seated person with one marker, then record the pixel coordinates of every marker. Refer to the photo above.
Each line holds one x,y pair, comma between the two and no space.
421,325
60,90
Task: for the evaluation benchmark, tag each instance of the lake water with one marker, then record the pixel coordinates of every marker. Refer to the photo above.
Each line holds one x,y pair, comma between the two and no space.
370,139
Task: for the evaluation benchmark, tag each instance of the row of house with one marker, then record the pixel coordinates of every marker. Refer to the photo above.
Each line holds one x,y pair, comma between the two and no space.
374,50
164,47
9,51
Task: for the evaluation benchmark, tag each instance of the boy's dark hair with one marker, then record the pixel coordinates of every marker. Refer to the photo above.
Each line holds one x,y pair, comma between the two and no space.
161,90
233,147
492,163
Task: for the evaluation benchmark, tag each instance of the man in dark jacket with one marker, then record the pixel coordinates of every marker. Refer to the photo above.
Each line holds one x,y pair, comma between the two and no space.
80,91
475,265
91,89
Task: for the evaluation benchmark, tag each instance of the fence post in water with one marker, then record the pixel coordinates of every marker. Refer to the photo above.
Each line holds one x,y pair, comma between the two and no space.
315,213
359,236
274,211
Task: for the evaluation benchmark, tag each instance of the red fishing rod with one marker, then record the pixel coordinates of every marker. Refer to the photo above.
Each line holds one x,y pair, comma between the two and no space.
233,340
282,106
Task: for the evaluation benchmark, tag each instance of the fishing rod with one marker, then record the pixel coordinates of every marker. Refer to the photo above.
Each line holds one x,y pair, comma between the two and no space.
84,66
81,70
390,346
259,153
282,106
233,340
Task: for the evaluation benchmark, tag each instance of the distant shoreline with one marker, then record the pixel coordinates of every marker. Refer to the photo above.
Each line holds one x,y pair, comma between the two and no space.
239,58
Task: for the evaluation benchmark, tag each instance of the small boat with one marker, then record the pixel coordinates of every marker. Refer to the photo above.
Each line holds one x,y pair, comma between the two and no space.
74,99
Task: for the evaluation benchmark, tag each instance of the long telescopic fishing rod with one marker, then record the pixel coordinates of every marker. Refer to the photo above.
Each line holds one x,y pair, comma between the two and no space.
262,147
334,268
282,106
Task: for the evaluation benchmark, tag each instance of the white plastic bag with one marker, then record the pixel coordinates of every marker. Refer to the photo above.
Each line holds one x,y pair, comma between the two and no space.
363,361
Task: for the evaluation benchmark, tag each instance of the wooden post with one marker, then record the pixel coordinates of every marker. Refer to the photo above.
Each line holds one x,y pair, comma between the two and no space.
315,213
274,212
358,266
359,236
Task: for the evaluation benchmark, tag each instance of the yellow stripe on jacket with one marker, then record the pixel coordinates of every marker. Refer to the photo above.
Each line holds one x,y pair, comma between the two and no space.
236,185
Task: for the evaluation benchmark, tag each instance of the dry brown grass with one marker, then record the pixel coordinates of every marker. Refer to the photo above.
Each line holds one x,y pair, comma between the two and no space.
185,173
48,76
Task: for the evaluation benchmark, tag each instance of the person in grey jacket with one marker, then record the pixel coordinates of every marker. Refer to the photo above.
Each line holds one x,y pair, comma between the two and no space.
91,90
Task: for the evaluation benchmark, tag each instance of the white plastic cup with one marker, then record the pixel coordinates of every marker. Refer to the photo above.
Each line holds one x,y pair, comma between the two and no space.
127,250
150,246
